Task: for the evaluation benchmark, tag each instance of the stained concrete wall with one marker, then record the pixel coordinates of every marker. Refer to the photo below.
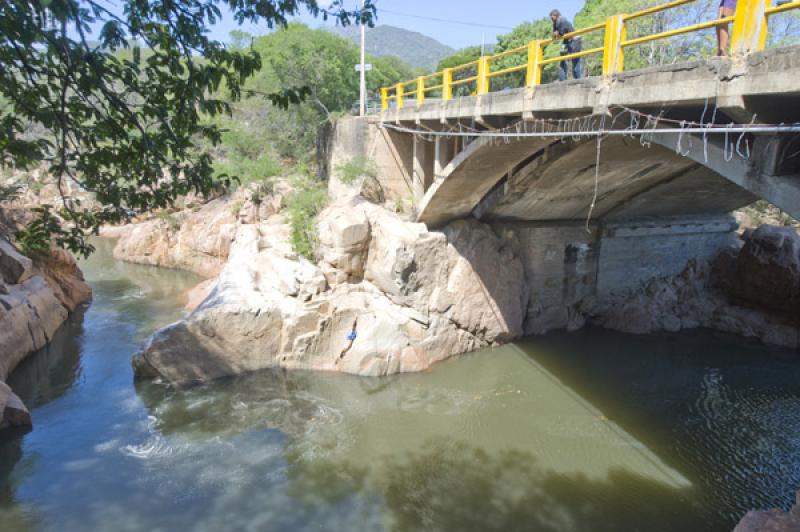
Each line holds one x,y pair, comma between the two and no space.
570,269
392,153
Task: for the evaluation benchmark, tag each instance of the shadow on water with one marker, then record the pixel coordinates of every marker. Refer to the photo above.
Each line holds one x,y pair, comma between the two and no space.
447,486
50,372
446,483
723,410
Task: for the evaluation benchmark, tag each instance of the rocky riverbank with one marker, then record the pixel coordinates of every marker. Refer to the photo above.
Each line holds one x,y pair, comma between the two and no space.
752,290
418,296
35,299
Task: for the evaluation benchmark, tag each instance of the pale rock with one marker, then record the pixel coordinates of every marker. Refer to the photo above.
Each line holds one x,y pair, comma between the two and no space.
344,236
15,268
198,294
65,278
271,308
31,315
197,240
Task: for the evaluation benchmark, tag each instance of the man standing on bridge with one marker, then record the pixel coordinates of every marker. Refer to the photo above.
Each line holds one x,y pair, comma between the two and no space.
561,27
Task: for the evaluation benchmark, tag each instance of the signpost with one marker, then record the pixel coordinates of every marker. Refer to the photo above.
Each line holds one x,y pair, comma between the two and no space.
363,69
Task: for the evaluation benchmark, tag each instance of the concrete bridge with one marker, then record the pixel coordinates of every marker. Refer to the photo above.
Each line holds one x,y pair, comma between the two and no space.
658,205
552,178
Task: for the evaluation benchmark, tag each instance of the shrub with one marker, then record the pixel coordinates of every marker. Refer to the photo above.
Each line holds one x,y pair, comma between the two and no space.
172,222
236,208
303,206
356,168
9,192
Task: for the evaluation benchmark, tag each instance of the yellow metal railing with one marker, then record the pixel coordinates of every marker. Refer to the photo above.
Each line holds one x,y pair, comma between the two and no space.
750,30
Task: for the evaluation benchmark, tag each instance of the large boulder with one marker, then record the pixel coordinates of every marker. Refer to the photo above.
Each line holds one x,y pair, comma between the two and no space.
344,236
15,268
197,240
767,273
418,297
35,299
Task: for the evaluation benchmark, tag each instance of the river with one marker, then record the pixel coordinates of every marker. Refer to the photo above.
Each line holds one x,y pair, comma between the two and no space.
589,431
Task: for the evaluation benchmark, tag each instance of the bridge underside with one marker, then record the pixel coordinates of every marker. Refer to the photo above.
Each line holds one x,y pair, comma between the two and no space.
538,179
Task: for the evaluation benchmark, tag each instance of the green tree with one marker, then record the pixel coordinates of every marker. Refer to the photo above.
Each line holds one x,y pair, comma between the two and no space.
126,127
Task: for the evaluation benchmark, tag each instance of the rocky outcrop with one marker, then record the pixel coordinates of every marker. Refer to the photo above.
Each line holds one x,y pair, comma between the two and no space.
418,297
752,292
35,299
766,273
197,237
775,520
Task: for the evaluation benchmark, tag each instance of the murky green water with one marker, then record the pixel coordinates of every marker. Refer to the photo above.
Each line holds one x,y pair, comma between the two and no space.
594,431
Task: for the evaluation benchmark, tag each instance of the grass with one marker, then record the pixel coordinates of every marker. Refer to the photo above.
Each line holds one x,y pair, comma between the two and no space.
236,208
355,169
303,206
172,222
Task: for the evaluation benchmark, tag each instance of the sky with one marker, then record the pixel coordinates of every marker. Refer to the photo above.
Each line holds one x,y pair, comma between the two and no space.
460,23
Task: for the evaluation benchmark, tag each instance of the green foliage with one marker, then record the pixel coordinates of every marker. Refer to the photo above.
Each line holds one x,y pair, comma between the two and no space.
303,206
36,237
463,56
520,36
172,222
356,168
130,117
9,193
236,208
293,58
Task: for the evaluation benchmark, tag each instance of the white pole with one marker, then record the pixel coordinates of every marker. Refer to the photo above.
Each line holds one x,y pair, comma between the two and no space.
363,105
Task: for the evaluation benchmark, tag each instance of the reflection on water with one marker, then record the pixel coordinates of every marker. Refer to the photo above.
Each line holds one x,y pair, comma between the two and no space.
594,431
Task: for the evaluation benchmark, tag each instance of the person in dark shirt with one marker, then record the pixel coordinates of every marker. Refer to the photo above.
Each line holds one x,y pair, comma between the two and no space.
561,27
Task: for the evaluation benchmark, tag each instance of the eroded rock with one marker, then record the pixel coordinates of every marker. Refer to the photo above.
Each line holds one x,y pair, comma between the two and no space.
423,298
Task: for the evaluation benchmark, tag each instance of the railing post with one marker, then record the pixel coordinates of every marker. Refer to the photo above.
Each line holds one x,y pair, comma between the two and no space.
533,75
613,53
384,98
399,90
483,75
749,27
420,91
447,84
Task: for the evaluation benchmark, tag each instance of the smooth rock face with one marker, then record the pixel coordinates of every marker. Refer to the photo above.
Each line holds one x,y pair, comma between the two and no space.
196,241
35,299
15,268
419,297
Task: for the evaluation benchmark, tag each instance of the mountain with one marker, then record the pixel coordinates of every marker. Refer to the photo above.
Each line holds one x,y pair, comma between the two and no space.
415,49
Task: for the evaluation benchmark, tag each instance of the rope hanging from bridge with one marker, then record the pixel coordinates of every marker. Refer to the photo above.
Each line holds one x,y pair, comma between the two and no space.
639,124
560,128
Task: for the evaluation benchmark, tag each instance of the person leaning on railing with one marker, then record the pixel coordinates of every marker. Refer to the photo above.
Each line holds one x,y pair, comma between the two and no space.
561,27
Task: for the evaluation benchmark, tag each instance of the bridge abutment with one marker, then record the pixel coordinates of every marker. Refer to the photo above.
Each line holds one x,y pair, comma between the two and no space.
571,271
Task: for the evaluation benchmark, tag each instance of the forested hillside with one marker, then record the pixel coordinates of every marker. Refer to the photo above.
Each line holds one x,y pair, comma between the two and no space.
413,48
